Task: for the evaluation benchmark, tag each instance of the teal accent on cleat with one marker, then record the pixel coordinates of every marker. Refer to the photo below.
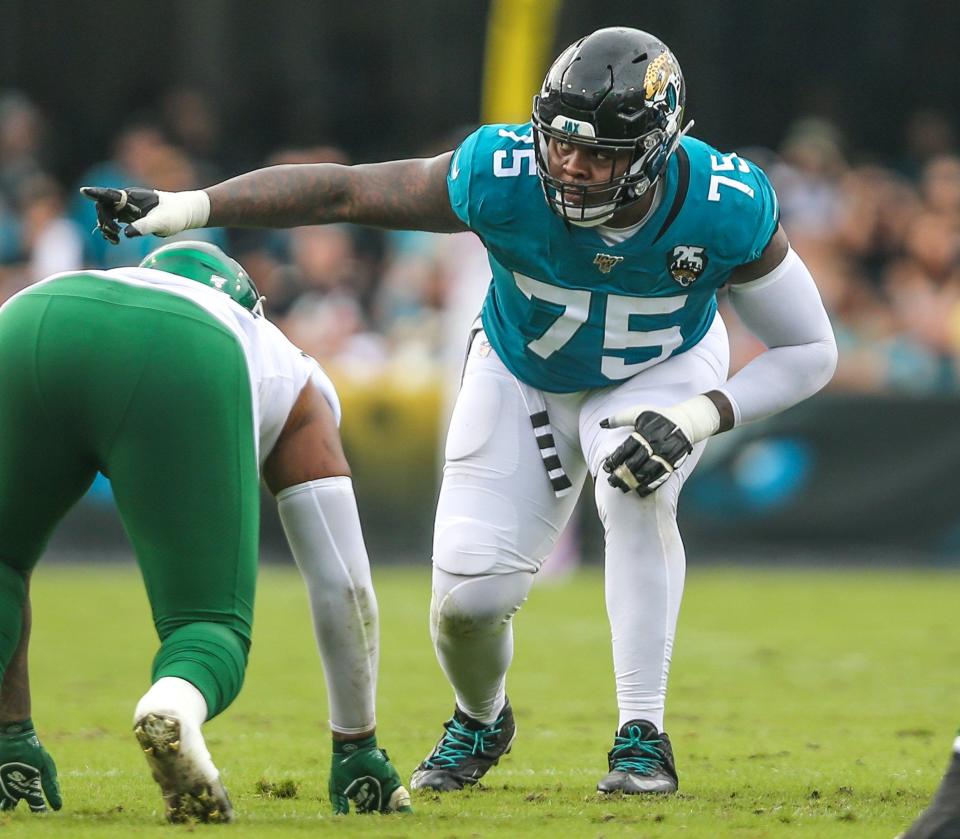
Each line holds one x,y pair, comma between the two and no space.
641,761
466,751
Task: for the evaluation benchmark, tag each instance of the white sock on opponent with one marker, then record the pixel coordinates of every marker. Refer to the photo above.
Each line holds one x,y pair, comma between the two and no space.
174,696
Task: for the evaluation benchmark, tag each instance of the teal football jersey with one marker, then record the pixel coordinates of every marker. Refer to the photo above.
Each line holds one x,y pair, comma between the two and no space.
565,310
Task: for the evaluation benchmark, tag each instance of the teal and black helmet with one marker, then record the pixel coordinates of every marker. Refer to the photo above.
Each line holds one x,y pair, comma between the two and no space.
209,265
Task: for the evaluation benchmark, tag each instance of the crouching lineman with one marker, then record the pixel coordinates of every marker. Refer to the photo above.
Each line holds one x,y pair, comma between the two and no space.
168,379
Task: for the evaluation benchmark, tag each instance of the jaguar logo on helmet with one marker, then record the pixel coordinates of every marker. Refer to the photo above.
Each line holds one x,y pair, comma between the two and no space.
686,263
661,82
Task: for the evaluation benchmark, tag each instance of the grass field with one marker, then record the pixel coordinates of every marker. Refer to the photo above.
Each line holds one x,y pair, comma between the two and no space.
803,703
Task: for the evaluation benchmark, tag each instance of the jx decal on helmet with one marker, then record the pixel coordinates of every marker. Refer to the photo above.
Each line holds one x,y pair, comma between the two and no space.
616,90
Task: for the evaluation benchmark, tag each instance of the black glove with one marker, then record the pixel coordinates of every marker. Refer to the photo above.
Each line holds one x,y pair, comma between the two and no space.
648,456
27,771
119,205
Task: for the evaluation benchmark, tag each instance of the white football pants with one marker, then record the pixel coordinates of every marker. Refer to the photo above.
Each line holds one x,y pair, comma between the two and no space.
498,519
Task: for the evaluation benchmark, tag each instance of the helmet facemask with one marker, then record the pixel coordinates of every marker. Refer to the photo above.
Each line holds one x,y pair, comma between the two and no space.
615,90
592,204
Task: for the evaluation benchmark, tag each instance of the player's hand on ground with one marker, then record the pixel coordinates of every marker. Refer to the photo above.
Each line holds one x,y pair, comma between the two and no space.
146,211
362,773
27,772
652,453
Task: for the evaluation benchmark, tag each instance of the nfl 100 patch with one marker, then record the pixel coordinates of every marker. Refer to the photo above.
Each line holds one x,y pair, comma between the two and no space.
606,263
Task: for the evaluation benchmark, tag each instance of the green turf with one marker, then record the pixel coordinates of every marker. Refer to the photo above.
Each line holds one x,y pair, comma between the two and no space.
803,703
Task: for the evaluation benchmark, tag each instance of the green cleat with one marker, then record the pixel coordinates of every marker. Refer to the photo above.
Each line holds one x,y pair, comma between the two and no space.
361,772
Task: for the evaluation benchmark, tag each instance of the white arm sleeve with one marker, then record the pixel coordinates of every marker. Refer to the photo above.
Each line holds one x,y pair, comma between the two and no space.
322,526
783,309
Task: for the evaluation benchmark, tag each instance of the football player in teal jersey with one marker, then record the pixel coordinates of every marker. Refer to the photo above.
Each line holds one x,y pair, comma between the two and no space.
599,349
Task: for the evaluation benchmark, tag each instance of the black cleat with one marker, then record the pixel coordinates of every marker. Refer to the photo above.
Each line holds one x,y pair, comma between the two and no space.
641,761
466,752
941,820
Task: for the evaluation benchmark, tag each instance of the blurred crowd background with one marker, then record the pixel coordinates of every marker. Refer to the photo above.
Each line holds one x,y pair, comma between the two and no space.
851,109
881,236
876,217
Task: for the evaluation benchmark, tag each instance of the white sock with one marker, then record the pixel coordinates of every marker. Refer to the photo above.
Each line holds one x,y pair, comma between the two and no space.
178,698
956,746
175,696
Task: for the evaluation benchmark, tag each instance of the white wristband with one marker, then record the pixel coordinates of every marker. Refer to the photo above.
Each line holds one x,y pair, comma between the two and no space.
175,211
698,418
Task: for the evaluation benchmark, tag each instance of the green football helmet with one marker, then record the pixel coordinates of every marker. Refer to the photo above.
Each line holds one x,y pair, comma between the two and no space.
206,263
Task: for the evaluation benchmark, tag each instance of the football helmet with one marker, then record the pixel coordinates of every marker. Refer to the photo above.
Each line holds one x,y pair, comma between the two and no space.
207,264
614,90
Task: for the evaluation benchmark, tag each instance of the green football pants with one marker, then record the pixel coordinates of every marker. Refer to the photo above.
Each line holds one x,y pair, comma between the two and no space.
154,392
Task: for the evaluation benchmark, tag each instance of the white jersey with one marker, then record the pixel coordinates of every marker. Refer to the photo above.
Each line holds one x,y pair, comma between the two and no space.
278,370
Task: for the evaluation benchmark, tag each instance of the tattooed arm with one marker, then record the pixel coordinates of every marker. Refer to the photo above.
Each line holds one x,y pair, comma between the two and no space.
402,194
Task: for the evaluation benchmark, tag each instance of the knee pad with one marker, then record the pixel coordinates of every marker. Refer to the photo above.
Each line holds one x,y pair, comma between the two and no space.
464,607
465,548
210,656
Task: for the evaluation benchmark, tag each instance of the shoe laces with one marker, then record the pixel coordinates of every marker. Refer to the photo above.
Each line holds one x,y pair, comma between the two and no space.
460,742
634,754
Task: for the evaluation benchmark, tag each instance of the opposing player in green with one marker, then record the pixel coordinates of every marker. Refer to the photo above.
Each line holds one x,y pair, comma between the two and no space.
599,351
168,379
